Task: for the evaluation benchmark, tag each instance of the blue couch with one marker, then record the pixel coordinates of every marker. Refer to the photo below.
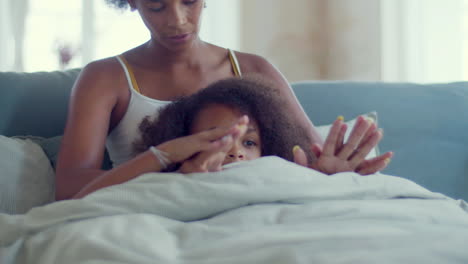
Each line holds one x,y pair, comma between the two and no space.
425,125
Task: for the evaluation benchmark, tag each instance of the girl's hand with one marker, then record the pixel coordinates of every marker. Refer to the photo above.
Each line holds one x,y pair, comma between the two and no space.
213,159
338,156
203,151
207,161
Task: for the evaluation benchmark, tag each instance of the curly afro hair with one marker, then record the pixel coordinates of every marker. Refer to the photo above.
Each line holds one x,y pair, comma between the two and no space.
121,4
252,97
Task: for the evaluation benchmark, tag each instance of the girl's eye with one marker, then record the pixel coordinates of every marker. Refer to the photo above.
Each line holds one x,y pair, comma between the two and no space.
250,143
190,2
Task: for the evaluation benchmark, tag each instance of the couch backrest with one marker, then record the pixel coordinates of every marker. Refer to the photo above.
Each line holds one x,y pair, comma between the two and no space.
425,125
34,103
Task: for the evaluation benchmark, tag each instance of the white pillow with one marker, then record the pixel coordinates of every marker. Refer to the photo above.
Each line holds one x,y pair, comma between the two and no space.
324,130
26,178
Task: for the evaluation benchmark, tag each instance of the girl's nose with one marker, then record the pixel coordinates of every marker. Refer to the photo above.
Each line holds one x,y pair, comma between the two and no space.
238,156
236,153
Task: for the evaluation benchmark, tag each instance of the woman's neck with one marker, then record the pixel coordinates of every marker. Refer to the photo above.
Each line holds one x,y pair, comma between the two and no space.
188,56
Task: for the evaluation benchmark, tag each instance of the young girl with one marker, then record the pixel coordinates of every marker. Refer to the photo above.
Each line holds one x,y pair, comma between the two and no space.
269,130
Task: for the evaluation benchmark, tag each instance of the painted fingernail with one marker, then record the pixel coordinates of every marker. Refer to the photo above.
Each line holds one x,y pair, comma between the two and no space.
387,161
296,148
340,118
225,138
369,120
242,126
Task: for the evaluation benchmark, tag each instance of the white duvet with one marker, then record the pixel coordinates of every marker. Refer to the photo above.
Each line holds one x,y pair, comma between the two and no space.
263,211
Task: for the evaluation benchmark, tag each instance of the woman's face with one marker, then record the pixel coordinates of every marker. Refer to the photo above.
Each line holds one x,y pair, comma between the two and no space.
246,147
173,24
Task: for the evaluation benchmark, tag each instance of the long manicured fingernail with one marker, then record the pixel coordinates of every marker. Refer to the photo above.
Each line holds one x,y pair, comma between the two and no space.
341,118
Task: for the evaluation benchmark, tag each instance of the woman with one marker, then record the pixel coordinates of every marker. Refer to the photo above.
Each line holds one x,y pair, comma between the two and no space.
111,96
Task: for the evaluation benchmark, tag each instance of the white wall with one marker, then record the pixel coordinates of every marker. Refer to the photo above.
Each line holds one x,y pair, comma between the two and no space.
353,40
221,23
422,40
315,39
287,33
362,40
6,38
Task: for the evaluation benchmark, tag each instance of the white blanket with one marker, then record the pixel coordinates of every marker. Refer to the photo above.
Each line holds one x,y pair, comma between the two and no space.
263,211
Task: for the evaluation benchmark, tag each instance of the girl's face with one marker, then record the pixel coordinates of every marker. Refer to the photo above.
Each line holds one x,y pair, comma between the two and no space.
173,24
246,147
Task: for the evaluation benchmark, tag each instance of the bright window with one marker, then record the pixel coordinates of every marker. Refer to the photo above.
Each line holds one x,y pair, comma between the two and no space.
77,32
50,24
465,41
56,27
117,31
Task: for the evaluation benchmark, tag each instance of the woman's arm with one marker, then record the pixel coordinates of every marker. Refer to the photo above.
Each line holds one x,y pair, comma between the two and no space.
81,153
174,151
94,97
143,163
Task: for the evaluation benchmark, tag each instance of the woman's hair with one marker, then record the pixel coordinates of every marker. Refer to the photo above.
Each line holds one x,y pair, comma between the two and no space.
121,4
252,97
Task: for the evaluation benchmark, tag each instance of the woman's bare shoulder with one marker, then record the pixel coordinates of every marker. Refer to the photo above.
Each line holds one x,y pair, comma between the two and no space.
103,68
252,64
103,74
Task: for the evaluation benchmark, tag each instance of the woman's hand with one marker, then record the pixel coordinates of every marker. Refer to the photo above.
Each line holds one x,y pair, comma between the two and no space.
338,156
204,151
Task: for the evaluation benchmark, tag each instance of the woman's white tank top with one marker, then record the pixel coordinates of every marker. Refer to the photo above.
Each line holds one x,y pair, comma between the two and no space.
119,142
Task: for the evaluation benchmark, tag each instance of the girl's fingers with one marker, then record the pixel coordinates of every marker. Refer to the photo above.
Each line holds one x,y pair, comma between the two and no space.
329,146
376,164
236,128
316,150
300,157
214,140
207,161
365,148
340,138
360,128
370,131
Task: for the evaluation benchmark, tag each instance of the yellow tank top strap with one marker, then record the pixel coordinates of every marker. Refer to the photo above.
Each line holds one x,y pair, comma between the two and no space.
130,72
234,63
